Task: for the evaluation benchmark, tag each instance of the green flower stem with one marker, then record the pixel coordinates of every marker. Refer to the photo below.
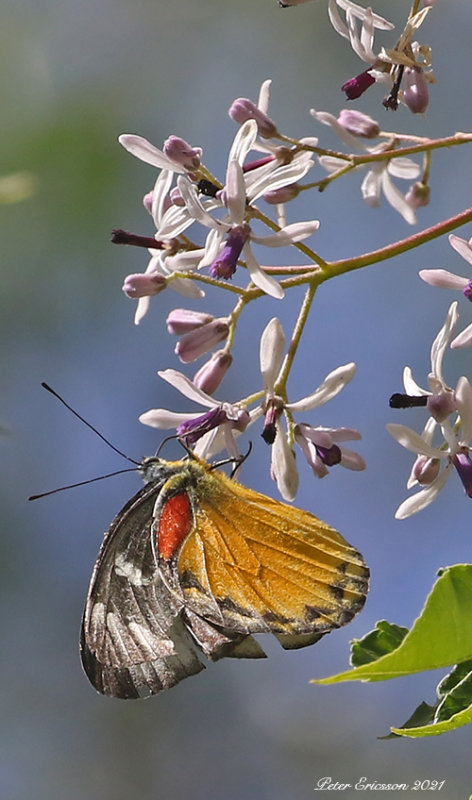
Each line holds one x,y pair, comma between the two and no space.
280,386
425,146
349,264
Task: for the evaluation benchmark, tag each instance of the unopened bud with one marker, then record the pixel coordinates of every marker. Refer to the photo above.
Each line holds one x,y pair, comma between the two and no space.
415,90
282,195
209,377
418,195
182,153
358,124
195,344
243,109
184,320
176,198
143,284
426,470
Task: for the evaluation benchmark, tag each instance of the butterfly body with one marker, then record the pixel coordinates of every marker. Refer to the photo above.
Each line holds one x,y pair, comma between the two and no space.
197,563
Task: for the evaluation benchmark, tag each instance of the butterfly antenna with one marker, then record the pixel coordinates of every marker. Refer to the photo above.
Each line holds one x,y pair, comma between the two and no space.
81,483
92,428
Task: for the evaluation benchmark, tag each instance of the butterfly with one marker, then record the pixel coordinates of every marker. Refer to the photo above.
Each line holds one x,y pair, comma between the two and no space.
194,565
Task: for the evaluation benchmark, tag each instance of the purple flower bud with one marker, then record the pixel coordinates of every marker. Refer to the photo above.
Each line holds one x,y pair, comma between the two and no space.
143,284
195,344
182,153
415,90
358,124
418,195
224,265
426,470
463,465
183,320
355,87
209,377
282,195
243,109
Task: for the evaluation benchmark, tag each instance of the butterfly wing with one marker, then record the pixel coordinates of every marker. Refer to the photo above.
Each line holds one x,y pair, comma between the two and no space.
134,641
255,565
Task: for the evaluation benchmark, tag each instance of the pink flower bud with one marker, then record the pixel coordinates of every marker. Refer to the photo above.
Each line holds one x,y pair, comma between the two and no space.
426,470
143,284
183,320
147,201
176,198
358,124
195,344
418,195
415,90
182,153
243,109
209,377
282,195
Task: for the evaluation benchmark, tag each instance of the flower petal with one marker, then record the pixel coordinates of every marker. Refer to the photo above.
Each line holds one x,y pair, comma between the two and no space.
439,346
423,498
283,466
443,279
463,339
291,233
243,142
334,382
162,418
461,246
265,282
272,349
412,441
185,386
140,147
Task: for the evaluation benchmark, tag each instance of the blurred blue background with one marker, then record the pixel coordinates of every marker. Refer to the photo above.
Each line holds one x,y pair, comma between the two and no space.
75,76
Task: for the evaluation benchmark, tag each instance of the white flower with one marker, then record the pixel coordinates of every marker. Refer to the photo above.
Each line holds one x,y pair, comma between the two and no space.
283,466
449,280
239,194
206,433
379,176
434,463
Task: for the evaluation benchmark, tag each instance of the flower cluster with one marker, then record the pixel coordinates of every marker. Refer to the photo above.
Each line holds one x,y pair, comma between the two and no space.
353,128
227,212
450,421
208,232
218,427
449,280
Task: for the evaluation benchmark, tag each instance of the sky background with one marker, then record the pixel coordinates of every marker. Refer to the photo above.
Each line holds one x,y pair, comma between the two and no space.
74,76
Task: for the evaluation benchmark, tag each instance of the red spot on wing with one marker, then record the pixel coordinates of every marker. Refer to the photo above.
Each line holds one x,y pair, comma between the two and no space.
174,524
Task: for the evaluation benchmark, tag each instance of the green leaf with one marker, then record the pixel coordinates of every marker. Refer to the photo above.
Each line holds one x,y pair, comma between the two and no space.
441,636
458,699
385,638
423,715
446,725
